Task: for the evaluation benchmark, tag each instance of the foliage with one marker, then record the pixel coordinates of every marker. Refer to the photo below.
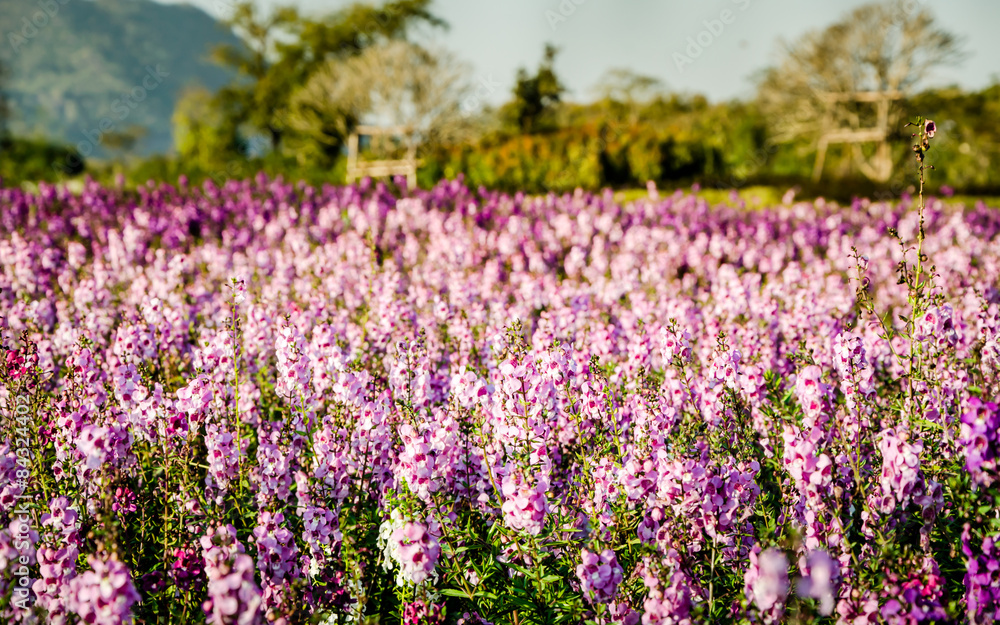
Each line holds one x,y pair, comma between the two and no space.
397,84
889,46
285,50
535,96
23,160
968,142
203,136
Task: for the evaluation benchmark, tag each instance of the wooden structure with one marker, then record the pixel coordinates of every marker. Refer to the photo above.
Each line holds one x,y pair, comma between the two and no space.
881,166
357,168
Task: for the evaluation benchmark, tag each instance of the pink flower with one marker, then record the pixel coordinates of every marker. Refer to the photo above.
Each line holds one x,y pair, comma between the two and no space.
94,445
239,290
233,595
767,583
524,506
820,580
104,595
599,575
415,550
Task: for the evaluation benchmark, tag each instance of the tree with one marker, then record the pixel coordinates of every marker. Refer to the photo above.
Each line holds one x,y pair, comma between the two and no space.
536,96
284,49
260,90
624,90
880,50
203,136
393,84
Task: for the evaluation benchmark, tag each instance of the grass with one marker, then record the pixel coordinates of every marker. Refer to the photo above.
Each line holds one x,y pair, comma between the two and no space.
761,196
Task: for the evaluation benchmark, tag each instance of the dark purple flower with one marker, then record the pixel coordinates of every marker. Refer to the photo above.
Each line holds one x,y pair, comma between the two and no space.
980,436
599,575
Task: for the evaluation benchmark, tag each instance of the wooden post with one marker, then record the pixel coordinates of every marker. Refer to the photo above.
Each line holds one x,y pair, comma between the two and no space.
880,168
357,169
820,158
352,157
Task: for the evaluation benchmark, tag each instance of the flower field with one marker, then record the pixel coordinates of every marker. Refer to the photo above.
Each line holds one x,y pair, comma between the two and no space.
273,403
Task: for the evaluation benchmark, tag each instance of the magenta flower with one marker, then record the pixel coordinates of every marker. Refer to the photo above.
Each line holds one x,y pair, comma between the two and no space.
103,595
767,583
980,438
819,580
420,613
412,547
599,575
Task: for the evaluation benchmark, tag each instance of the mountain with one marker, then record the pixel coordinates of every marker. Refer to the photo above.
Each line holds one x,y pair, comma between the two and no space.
84,71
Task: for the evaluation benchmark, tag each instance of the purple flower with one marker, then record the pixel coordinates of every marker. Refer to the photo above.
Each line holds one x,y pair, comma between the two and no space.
599,575
819,580
233,595
918,599
980,437
767,583
982,579
103,595
276,549
930,127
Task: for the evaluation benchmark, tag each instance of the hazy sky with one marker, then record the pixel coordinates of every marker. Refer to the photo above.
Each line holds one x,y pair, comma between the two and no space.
498,36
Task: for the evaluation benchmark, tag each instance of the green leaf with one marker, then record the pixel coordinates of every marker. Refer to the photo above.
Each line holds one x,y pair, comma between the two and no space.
520,569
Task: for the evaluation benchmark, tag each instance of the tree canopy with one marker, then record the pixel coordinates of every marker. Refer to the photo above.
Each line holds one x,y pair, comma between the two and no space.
887,47
535,96
284,50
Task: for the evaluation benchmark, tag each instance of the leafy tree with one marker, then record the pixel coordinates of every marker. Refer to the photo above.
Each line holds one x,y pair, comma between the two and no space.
626,92
397,84
284,50
34,160
203,135
968,142
259,93
886,47
536,96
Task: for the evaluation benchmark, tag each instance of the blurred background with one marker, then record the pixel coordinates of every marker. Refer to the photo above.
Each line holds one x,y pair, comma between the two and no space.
518,95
